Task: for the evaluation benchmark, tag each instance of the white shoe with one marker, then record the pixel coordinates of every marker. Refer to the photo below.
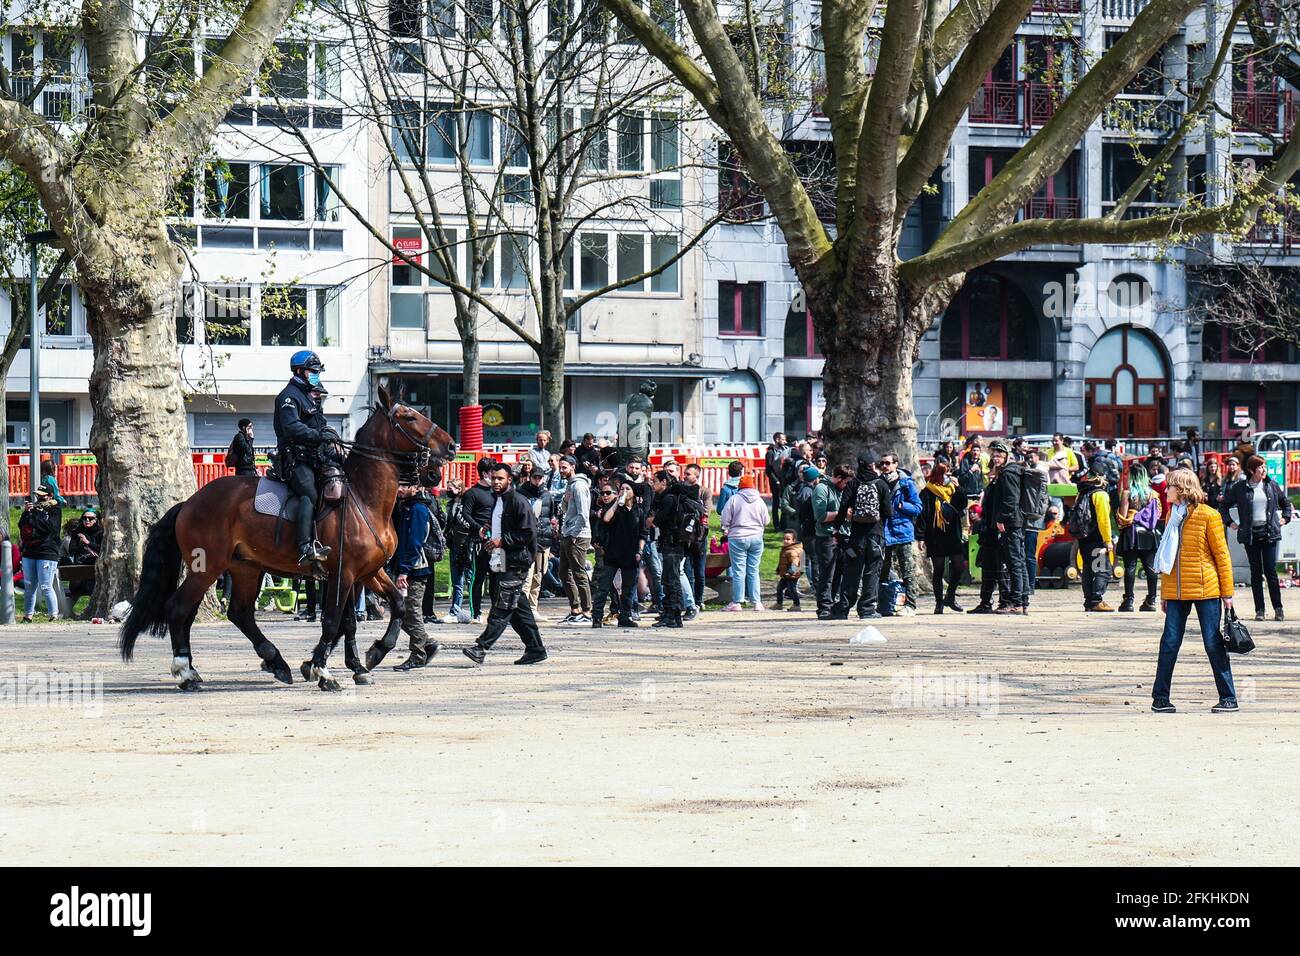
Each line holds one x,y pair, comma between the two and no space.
906,611
733,606
758,606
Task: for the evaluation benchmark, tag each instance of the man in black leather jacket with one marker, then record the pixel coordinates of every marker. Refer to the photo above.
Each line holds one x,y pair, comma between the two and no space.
510,542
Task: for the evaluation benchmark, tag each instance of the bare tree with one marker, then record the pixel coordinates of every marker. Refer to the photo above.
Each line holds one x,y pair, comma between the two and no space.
512,129
891,132
140,121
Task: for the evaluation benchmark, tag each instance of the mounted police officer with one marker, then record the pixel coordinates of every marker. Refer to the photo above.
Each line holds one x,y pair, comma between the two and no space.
300,431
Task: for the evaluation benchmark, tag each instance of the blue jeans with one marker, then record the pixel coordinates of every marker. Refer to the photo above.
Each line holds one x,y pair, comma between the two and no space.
1208,613
653,563
745,554
459,582
1031,563
38,577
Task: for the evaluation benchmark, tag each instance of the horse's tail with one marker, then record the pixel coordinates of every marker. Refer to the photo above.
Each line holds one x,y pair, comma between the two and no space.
159,577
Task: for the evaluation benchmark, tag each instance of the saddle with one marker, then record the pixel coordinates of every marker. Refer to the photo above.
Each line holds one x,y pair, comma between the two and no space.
274,498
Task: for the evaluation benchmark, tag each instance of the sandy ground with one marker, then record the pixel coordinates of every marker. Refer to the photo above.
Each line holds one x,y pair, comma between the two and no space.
745,738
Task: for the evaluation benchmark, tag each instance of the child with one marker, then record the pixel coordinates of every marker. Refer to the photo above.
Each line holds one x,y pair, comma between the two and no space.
789,568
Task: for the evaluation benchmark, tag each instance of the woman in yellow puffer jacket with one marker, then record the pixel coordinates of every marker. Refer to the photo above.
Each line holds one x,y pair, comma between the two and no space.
1195,569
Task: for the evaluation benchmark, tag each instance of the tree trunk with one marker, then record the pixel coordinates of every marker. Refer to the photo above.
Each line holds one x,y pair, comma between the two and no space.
138,436
4,446
551,359
469,351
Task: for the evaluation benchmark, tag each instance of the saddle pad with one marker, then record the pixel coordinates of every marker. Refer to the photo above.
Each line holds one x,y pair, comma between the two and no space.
270,497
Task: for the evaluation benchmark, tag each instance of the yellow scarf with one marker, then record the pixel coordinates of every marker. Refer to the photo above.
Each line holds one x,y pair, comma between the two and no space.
942,495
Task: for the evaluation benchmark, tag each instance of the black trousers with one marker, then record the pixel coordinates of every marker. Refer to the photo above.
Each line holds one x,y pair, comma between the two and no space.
828,570
776,488
993,571
860,560
1097,572
481,558
302,483
1263,566
509,608
1012,546
1148,559
605,585
672,579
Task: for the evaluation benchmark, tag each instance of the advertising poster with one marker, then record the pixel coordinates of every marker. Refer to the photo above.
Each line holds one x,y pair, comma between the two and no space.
986,411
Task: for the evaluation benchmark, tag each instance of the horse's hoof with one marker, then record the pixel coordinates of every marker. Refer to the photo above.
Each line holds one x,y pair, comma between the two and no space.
329,685
362,677
191,684
282,673
305,670
375,656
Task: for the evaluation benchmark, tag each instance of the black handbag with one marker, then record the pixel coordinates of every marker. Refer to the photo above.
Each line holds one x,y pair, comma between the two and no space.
1236,638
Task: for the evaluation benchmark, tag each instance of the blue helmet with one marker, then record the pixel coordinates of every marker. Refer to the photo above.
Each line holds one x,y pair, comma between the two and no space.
306,359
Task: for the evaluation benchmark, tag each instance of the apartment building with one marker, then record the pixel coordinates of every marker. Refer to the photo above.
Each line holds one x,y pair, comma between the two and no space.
274,261
639,204
1093,340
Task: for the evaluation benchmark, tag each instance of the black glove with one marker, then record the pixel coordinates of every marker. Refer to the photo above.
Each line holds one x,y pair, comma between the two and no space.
328,434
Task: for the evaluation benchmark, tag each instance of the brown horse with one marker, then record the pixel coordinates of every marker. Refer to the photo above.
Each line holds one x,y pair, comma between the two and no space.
216,530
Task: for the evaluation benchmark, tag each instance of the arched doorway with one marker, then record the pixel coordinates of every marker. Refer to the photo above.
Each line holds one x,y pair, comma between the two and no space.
1126,386
738,408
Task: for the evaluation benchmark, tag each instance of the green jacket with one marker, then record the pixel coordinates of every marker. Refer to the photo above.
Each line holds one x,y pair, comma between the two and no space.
825,499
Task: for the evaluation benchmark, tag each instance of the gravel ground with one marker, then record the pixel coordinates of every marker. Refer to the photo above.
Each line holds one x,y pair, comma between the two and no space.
744,738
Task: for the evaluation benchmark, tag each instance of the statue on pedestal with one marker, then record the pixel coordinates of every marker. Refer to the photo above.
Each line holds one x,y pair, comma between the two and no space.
638,411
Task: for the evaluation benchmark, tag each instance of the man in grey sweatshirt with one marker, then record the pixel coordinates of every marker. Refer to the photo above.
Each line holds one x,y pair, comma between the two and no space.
575,541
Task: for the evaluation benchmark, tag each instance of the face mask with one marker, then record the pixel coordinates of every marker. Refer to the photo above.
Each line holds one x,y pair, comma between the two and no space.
313,379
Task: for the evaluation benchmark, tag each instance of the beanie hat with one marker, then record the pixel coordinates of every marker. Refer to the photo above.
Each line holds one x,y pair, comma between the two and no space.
746,481
811,473
998,444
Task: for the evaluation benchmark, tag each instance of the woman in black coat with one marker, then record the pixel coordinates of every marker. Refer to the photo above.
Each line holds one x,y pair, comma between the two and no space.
943,503
1262,509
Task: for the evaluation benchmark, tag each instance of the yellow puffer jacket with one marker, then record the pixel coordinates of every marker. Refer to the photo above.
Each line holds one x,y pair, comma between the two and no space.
1203,568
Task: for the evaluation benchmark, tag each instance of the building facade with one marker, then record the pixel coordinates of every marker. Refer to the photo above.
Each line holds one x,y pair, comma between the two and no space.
1098,340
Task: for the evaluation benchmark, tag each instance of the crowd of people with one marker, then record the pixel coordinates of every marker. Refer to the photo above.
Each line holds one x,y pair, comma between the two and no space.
46,541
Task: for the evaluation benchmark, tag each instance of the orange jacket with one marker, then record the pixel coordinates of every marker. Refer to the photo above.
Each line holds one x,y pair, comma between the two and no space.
1203,568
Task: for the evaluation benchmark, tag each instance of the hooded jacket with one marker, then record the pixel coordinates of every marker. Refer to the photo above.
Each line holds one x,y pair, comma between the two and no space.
745,515
543,505
905,503
729,488
576,508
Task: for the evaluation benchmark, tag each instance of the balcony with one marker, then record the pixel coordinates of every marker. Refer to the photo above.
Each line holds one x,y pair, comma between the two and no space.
1261,111
1058,7
1141,210
1152,114
1023,103
1280,235
1122,9
1052,207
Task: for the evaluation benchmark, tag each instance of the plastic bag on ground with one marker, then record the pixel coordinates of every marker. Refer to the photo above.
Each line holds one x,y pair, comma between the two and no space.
868,635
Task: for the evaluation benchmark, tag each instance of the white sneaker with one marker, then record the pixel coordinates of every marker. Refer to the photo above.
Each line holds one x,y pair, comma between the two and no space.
582,620
733,606
758,606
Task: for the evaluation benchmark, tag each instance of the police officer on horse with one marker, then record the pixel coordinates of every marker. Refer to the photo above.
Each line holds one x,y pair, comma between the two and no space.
302,433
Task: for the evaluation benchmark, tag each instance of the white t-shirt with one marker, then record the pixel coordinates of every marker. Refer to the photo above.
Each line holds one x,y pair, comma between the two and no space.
497,561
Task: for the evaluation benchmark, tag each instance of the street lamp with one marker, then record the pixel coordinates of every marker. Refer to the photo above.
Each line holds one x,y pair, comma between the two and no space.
34,240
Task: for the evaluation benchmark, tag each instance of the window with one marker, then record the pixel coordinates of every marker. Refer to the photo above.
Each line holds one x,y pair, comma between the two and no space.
404,17
327,317
58,312
444,139
664,154
989,319
444,261
1120,167
631,260
515,256
559,14
662,250
479,145
327,200
329,72
443,16
631,135
225,190
183,310
283,196
513,146
800,337
284,315
406,130
664,14
517,188
478,17
740,308
738,197
409,242
287,72
665,194
597,141
738,403
594,252
228,314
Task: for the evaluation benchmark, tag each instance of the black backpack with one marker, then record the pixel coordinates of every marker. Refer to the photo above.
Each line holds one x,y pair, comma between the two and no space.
803,510
1033,494
690,516
1082,522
